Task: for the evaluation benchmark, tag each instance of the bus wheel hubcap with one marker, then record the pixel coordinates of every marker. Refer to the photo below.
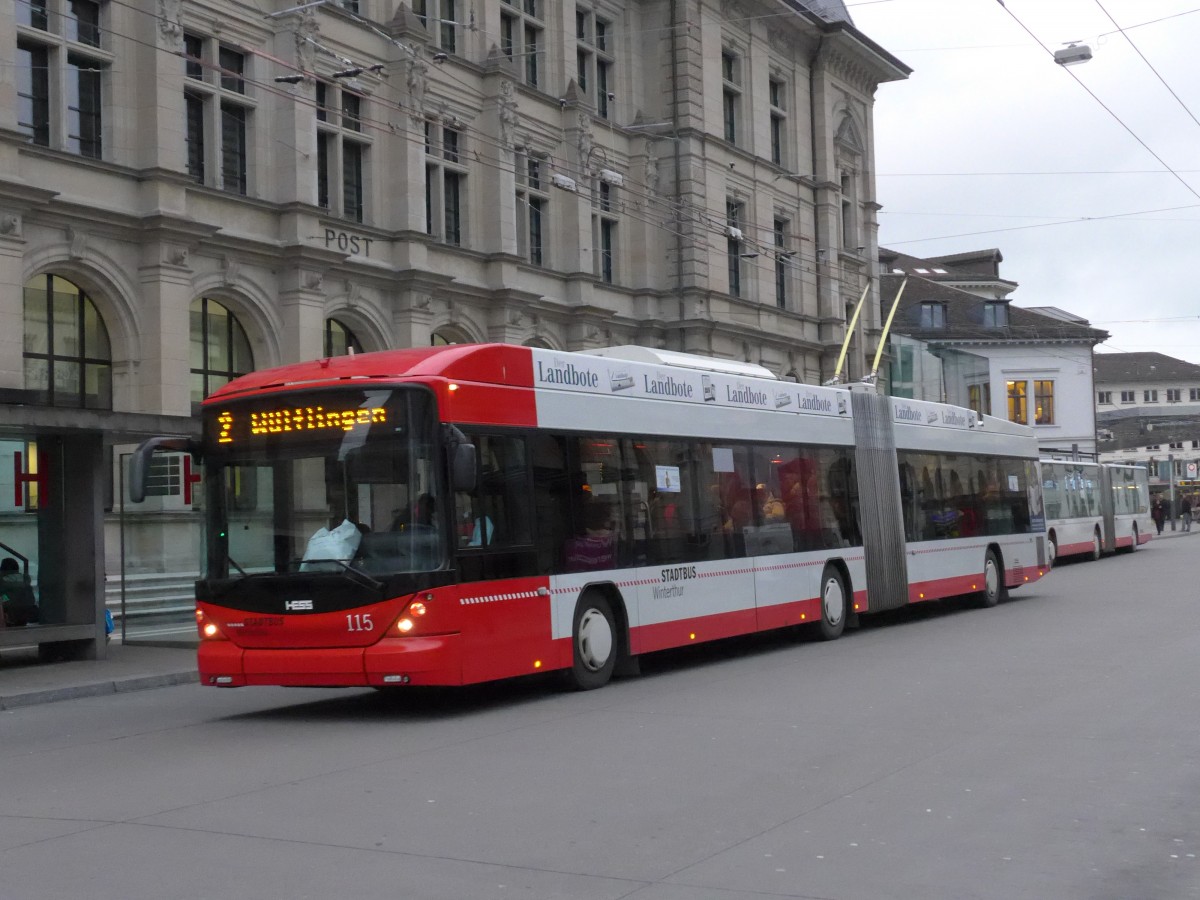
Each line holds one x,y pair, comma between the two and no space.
993,579
595,639
835,602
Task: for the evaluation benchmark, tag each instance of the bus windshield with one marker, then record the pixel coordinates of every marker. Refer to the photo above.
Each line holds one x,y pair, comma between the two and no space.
338,481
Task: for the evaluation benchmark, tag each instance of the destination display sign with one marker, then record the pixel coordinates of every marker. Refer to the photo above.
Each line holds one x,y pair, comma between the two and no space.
332,416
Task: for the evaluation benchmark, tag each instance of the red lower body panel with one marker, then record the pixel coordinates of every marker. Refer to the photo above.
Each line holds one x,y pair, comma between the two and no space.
1083,547
422,660
781,615
661,635
968,584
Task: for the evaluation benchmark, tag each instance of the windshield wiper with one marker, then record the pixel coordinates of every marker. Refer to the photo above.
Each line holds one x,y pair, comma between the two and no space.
299,564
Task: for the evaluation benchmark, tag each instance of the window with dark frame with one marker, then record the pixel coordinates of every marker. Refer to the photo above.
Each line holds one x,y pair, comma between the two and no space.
220,349
522,34
532,207
218,114
445,182
33,92
731,94
67,355
440,18
780,234
343,151
932,315
1018,402
733,217
594,59
60,73
1043,399
340,340
604,230
776,93
979,398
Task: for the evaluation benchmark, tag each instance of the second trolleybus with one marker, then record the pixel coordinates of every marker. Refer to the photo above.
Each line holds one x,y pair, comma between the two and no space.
1095,508
446,516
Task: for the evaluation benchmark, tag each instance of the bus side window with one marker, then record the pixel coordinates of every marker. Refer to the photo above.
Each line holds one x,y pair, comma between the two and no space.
551,497
722,474
908,496
843,497
497,512
667,469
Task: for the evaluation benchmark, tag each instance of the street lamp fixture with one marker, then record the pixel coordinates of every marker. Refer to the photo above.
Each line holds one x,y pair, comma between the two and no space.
1073,54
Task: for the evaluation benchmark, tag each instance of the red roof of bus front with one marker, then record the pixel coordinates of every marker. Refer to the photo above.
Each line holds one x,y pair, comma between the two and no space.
479,383
505,364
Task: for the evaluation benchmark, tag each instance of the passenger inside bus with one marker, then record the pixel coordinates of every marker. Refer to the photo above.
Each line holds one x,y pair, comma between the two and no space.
596,548
422,513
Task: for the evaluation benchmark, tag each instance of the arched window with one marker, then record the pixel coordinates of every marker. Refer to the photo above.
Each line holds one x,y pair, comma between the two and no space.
340,340
220,350
68,359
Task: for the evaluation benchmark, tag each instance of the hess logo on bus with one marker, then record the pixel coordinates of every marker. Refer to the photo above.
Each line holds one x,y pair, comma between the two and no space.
297,605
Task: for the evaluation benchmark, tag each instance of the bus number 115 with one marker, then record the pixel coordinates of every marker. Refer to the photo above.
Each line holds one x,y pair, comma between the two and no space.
359,622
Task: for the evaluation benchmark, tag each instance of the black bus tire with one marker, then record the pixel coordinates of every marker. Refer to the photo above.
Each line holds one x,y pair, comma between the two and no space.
994,589
594,642
1096,545
834,605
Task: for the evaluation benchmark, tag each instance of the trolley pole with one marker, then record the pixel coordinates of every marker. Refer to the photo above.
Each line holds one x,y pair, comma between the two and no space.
1171,475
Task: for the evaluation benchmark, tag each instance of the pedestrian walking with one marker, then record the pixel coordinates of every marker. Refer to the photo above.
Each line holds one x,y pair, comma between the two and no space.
1158,512
1185,512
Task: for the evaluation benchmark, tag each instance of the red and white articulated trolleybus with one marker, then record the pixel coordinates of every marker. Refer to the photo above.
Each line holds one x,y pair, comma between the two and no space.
446,516
1095,508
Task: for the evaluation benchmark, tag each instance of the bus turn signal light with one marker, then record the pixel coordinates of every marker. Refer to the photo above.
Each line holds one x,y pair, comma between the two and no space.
209,631
404,626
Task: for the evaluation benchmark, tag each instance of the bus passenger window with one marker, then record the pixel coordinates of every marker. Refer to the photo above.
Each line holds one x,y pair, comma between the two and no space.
666,471
497,512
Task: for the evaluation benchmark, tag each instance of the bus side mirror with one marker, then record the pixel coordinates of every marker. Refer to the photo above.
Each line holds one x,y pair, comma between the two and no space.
139,462
463,468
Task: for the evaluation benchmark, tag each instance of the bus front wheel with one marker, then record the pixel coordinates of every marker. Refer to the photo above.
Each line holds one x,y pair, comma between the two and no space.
1052,547
833,605
1095,545
594,638
994,589
1133,547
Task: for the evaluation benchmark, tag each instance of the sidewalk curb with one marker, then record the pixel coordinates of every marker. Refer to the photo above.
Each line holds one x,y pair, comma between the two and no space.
97,689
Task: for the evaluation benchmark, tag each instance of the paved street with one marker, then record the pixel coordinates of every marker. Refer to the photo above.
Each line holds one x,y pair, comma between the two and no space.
1048,748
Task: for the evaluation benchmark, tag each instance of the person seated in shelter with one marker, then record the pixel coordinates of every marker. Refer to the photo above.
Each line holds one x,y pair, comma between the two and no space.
16,595
596,548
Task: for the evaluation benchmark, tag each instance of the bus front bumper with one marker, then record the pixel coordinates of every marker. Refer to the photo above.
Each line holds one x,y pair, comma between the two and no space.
428,660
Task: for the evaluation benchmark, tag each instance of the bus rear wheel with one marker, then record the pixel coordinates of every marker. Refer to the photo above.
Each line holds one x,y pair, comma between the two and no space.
1133,547
1095,545
994,589
594,641
833,605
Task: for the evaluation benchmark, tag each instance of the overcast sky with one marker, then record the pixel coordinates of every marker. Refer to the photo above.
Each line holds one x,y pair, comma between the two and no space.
990,143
